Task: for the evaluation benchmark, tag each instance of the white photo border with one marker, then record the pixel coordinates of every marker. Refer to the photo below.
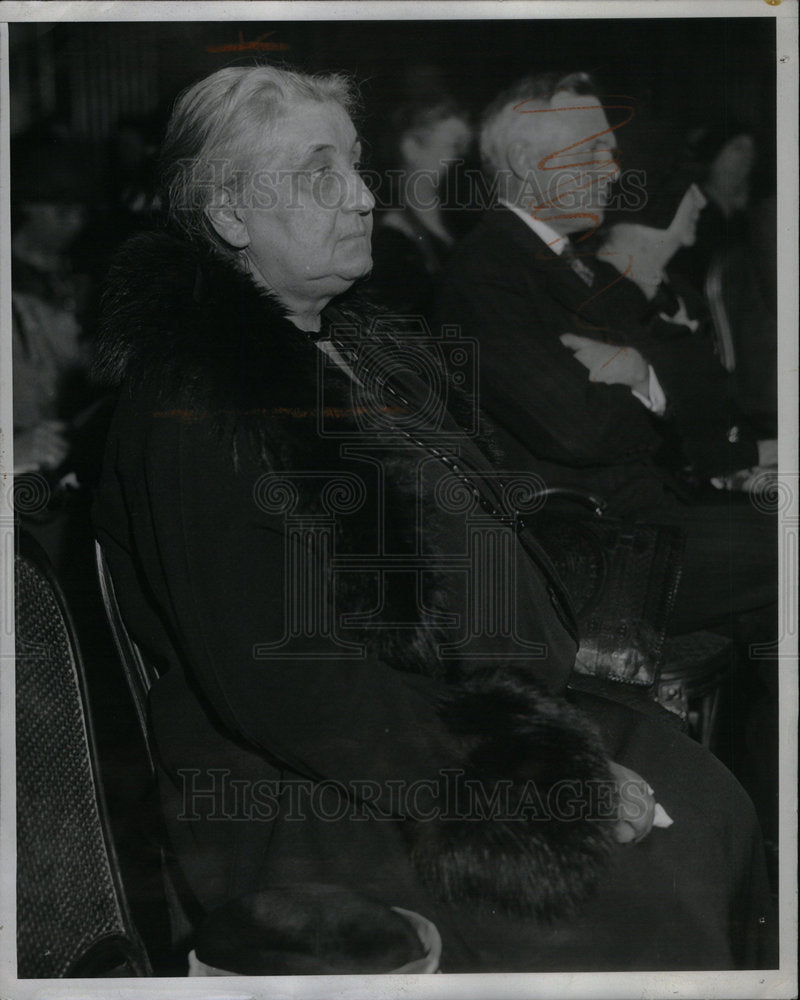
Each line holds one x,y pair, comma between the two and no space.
727,985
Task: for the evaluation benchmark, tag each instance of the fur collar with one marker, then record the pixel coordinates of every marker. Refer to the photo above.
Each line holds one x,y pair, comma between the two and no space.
213,341
207,338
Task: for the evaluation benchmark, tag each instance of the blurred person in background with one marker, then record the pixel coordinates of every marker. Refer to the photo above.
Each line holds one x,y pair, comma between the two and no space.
425,136
660,313
59,416
723,160
50,193
133,153
733,260
730,268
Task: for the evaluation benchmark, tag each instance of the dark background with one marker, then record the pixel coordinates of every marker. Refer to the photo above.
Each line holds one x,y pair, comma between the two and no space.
86,78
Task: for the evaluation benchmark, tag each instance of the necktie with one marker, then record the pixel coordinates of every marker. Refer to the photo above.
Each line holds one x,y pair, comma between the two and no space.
577,265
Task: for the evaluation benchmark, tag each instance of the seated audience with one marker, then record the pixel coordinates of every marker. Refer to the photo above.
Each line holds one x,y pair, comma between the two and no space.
543,311
677,338
284,507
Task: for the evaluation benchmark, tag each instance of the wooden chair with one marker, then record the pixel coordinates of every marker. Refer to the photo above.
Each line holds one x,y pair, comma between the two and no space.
73,918
141,674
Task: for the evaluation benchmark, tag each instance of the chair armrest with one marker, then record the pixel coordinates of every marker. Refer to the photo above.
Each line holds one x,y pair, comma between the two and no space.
597,505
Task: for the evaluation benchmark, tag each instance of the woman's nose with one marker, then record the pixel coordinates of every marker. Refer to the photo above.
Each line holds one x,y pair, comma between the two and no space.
359,197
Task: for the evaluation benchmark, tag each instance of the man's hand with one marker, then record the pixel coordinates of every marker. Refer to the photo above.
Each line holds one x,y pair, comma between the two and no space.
609,363
41,447
637,805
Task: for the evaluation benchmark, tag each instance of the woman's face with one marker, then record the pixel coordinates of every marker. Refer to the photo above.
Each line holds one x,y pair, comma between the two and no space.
51,226
435,147
307,216
729,174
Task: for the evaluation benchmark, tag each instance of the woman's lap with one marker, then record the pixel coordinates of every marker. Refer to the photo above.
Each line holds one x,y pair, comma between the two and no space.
694,895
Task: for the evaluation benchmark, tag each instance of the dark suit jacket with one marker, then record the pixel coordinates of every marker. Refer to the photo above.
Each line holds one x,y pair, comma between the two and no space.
508,290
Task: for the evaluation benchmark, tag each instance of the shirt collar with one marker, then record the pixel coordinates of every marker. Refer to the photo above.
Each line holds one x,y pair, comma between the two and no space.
554,240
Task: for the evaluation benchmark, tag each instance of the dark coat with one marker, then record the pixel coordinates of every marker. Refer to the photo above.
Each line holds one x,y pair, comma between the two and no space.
215,448
294,746
406,270
508,290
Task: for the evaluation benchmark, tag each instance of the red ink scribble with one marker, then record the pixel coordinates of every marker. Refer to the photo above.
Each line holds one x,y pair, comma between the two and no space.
185,416
546,162
621,350
592,178
193,416
601,291
256,45
337,411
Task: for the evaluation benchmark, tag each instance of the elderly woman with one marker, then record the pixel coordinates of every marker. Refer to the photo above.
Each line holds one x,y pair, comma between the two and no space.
363,650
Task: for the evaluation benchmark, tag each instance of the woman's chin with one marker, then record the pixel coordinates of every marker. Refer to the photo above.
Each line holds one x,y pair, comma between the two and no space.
336,284
353,270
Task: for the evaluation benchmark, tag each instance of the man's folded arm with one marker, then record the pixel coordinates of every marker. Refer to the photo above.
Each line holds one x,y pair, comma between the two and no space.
532,385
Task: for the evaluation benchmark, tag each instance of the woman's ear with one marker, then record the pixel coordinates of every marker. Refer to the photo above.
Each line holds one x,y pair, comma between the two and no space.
229,223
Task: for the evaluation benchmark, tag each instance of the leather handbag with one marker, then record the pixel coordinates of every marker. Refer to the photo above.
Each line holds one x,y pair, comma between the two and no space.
622,578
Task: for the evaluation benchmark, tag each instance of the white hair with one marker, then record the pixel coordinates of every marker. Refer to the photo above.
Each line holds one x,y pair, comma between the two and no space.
218,123
501,120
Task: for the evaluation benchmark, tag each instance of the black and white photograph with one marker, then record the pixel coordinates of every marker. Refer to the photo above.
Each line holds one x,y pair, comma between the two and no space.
399,499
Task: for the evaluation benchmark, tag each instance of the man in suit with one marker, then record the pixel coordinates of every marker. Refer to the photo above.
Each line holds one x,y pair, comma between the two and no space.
544,310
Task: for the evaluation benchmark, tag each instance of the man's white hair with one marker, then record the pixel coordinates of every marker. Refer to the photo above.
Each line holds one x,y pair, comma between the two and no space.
502,119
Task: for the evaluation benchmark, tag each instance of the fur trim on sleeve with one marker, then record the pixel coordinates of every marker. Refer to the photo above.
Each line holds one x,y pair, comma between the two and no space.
526,826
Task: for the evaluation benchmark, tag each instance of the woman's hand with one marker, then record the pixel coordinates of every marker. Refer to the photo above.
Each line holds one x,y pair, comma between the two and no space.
41,447
638,811
609,363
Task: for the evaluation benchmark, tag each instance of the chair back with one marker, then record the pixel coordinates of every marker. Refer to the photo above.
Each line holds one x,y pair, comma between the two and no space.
745,330
73,917
139,673
716,298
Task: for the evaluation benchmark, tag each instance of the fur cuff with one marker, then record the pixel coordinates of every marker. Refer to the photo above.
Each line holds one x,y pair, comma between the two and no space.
525,826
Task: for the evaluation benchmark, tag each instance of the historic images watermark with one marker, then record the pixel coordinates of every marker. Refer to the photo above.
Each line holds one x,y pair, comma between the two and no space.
215,794
461,187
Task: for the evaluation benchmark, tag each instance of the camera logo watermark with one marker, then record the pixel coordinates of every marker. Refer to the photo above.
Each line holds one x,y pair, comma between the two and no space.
401,394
